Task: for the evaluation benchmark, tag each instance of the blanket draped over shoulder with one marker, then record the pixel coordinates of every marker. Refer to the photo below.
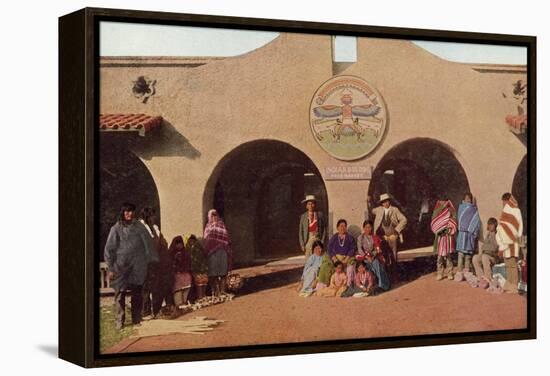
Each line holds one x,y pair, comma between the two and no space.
510,229
216,236
468,227
444,226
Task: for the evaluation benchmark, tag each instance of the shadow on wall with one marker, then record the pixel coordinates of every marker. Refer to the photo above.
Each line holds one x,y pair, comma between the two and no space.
354,230
165,142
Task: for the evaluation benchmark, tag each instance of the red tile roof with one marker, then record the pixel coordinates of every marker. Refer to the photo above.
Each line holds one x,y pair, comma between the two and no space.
129,122
517,123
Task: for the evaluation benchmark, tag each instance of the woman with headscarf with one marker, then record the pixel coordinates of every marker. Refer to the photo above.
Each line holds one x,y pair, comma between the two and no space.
444,226
218,250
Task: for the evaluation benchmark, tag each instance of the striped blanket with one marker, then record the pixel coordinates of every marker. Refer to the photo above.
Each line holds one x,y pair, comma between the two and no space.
468,227
510,229
444,226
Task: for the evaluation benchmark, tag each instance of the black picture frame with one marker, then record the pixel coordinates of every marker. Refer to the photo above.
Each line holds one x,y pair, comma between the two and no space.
78,191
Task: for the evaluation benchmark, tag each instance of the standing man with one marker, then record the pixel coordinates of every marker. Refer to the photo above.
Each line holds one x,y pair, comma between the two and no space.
313,226
128,251
389,223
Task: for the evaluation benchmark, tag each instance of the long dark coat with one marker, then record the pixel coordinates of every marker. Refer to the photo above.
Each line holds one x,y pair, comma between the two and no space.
128,251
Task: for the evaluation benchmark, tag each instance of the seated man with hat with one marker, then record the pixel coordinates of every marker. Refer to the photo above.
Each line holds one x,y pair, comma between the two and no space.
389,223
312,226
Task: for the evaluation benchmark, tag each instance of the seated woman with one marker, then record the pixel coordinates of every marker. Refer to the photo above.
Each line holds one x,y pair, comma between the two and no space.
341,247
338,282
368,251
364,283
311,269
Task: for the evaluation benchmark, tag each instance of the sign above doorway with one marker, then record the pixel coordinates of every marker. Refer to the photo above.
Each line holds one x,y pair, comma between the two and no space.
348,173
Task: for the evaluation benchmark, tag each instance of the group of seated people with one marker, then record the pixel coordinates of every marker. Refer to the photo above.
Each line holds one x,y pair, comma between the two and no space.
348,267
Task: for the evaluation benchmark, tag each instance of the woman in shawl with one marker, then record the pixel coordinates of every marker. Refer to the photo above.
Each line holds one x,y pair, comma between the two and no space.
444,227
509,232
468,230
199,265
369,252
218,251
311,269
182,271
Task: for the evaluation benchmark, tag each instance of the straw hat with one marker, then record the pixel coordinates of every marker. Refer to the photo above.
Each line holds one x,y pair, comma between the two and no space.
384,197
309,198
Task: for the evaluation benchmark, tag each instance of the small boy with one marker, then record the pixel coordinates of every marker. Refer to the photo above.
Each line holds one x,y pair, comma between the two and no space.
487,256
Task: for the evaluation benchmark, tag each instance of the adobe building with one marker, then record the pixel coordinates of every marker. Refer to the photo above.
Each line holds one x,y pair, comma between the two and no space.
251,135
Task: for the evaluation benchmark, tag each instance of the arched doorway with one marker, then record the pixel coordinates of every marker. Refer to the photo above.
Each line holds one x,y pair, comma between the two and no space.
122,178
417,172
519,190
257,188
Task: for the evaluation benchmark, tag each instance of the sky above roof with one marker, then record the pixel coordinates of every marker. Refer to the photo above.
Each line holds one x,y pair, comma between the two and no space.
129,39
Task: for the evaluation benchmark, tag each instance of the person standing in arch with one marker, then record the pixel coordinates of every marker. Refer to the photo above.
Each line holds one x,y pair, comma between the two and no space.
389,224
312,226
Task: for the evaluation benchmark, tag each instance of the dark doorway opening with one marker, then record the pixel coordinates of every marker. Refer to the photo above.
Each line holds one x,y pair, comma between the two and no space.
416,173
519,190
258,188
122,178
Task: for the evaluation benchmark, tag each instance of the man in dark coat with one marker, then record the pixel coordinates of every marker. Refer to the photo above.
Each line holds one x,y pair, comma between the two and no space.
313,226
128,252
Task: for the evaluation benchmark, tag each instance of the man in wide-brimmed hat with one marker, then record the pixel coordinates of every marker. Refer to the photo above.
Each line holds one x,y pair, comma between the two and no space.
389,223
312,226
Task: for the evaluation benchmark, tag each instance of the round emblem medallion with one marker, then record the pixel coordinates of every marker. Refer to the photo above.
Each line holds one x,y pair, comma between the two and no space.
347,117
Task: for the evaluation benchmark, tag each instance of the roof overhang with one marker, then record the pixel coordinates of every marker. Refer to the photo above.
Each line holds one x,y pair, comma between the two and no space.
135,123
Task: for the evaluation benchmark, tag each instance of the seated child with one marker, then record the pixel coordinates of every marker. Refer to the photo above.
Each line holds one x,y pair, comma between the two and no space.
364,283
338,282
487,256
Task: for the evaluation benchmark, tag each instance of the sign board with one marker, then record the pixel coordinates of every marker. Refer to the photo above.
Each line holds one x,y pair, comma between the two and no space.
348,173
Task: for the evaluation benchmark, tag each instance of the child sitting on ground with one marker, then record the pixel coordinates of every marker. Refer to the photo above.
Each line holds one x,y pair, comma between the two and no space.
363,284
487,256
338,282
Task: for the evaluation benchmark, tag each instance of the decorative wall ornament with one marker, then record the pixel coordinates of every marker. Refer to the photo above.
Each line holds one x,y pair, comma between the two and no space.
517,122
144,88
347,117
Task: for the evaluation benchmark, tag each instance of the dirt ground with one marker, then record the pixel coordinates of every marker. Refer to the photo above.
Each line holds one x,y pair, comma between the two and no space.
279,315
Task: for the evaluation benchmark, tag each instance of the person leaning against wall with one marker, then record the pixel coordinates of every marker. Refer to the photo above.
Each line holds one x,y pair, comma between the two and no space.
313,226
